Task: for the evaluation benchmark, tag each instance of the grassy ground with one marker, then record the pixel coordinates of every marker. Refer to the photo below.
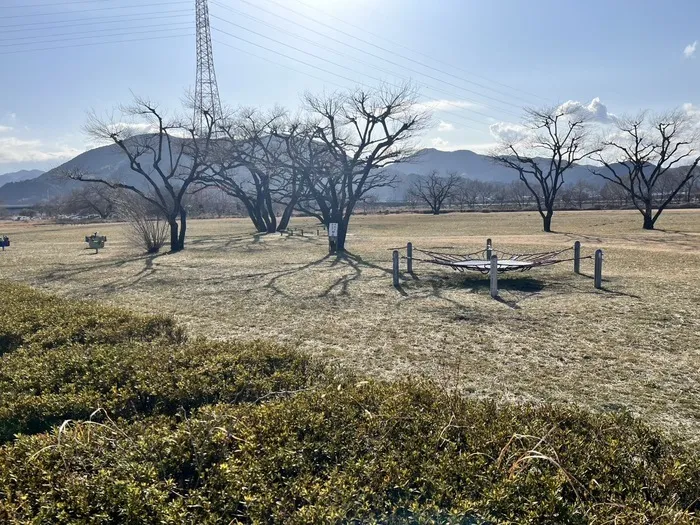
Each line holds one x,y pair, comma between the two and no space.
633,346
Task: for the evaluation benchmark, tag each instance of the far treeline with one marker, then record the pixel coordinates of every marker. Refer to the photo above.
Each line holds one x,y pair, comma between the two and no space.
328,159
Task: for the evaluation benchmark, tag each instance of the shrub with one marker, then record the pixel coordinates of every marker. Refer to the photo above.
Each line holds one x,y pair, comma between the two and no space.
31,318
371,453
42,388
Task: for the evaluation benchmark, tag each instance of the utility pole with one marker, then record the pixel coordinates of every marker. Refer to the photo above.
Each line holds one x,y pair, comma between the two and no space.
206,91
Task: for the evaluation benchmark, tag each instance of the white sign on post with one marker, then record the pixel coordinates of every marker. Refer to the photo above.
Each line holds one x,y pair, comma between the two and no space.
333,229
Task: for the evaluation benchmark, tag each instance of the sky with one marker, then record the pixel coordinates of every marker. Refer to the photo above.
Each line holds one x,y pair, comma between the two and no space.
477,64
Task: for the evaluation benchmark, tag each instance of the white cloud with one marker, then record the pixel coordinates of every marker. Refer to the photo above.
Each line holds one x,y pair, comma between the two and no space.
13,150
596,110
508,131
445,105
440,143
445,126
689,51
5,129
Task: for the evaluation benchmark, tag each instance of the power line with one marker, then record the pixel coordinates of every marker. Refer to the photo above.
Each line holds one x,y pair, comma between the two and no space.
94,44
305,73
95,19
102,31
137,19
420,52
128,33
318,44
422,64
48,5
354,81
137,6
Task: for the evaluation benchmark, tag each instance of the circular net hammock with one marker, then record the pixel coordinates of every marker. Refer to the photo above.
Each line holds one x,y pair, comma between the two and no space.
507,262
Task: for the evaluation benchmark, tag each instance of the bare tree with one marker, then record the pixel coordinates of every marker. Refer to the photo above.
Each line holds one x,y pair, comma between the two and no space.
352,136
434,190
167,156
638,159
90,199
559,138
252,165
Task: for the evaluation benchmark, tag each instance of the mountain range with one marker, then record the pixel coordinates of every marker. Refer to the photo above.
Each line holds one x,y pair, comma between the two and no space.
110,162
17,176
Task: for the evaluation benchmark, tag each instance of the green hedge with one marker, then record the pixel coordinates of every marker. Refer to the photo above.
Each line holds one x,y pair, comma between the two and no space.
41,388
203,432
28,317
373,453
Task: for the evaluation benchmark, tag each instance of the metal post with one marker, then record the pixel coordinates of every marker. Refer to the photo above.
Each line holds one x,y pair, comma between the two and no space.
395,257
599,269
302,233
316,232
577,257
493,273
489,251
409,257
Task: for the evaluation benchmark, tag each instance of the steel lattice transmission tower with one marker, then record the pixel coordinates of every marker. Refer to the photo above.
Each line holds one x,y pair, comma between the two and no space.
206,91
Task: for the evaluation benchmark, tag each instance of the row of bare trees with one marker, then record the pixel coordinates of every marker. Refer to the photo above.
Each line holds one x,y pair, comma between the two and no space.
651,159
327,159
438,193
323,161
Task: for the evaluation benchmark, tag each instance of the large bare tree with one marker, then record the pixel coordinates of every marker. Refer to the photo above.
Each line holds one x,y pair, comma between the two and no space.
435,190
349,140
252,165
167,156
554,140
651,158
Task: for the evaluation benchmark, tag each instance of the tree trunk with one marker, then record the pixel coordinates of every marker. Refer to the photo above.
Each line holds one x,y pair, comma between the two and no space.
648,217
286,215
183,228
342,232
547,221
174,237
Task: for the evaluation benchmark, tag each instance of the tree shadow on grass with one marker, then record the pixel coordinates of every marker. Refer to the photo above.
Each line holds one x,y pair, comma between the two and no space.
512,289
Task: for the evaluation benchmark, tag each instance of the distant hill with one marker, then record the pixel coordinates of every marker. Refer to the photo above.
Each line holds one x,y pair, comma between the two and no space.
110,162
17,176
106,161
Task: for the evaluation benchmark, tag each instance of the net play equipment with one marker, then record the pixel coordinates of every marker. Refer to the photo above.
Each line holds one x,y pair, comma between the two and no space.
480,261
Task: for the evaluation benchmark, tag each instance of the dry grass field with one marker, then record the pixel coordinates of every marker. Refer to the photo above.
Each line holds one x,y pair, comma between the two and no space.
633,346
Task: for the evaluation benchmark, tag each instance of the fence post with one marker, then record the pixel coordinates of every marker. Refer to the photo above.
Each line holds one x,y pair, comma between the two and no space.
577,257
493,273
599,269
489,251
302,233
395,260
409,257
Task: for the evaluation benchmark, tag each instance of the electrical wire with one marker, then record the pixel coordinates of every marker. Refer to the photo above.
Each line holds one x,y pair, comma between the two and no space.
309,75
353,80
355,37
128,33
91,20
525,92
137,6
93,44
101,31
345,55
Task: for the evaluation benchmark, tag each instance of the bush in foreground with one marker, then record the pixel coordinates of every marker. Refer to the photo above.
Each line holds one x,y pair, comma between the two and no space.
199,432
28,317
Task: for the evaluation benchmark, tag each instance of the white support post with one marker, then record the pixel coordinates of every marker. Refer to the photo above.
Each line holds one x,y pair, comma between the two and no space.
489,249
577,257
395,261
598,278
409,257
493,274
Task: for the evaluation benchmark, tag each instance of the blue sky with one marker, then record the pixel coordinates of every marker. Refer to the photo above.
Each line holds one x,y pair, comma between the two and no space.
479,61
